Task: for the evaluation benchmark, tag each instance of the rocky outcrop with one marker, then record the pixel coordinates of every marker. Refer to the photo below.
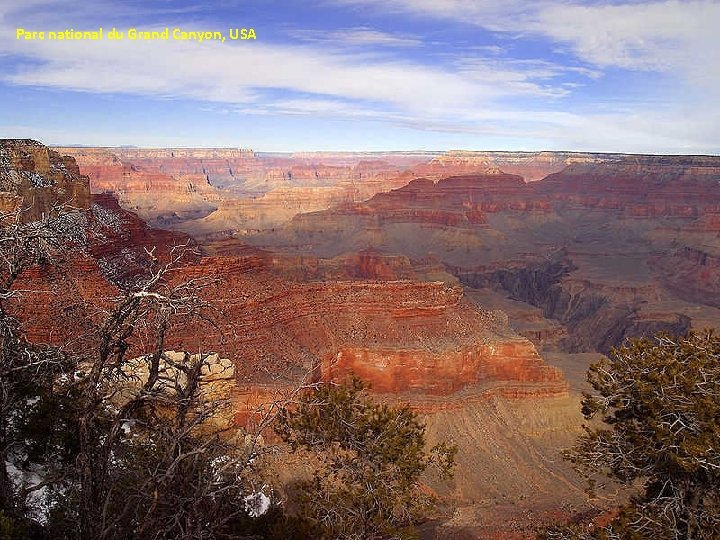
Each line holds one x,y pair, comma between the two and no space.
281,316
59,304
640,234
531,166
462,201
372,264
272,209
641,187
151,191
638,186
457,164
401,336
509,368
366,264
39,180
692,273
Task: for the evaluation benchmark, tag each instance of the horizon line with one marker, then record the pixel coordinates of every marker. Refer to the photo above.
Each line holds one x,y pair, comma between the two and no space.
393,151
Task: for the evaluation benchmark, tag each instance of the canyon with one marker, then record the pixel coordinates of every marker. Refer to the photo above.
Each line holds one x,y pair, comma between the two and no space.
221,192
475,286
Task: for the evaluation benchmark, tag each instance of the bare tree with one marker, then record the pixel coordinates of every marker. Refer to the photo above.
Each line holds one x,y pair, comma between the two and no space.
118,437
154,456
25,370
112,446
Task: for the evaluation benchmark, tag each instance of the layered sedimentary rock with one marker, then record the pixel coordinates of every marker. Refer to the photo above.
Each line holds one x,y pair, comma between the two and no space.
422,220
244,190
269,210
400,336
215,191
368,264
124,245
597,315
409,338
58,304
371,264
39,180
285,311
490,192
106,248
640,186
451,203
403,336
144,187
531,166
637,236
315,269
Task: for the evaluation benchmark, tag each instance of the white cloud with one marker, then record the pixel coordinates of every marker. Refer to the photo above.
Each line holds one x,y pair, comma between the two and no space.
677,39
486,13
471,94
357,37
535,77
672,36
235,74
665,36
241,72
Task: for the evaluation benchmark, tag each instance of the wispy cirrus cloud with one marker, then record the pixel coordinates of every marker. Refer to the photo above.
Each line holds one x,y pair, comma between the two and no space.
537,77
239,74
245,73
357,37
668,35
535,71
656,35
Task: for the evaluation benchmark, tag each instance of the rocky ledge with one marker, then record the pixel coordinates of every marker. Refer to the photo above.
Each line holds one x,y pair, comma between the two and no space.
39,180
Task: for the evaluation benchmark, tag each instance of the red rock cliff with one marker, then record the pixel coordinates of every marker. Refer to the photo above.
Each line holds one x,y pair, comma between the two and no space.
401,336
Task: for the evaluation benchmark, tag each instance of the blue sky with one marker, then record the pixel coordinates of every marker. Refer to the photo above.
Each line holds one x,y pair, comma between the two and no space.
370,75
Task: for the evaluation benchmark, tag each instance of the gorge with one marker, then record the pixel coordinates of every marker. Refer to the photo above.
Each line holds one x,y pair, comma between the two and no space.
474,286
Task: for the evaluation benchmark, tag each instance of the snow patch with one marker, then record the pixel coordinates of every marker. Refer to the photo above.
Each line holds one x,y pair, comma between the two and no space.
257,504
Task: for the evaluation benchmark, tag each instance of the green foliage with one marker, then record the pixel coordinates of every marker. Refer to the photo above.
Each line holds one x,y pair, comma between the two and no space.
659,401
12,529
370,458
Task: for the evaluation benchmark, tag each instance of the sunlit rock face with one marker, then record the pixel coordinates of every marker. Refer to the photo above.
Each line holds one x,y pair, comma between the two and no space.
38,179
220,191
400,336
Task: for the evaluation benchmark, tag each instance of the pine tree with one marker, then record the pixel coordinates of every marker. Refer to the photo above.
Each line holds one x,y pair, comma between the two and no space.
659,401
370,458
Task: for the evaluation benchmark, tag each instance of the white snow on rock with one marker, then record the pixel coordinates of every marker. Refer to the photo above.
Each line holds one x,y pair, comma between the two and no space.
257,504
